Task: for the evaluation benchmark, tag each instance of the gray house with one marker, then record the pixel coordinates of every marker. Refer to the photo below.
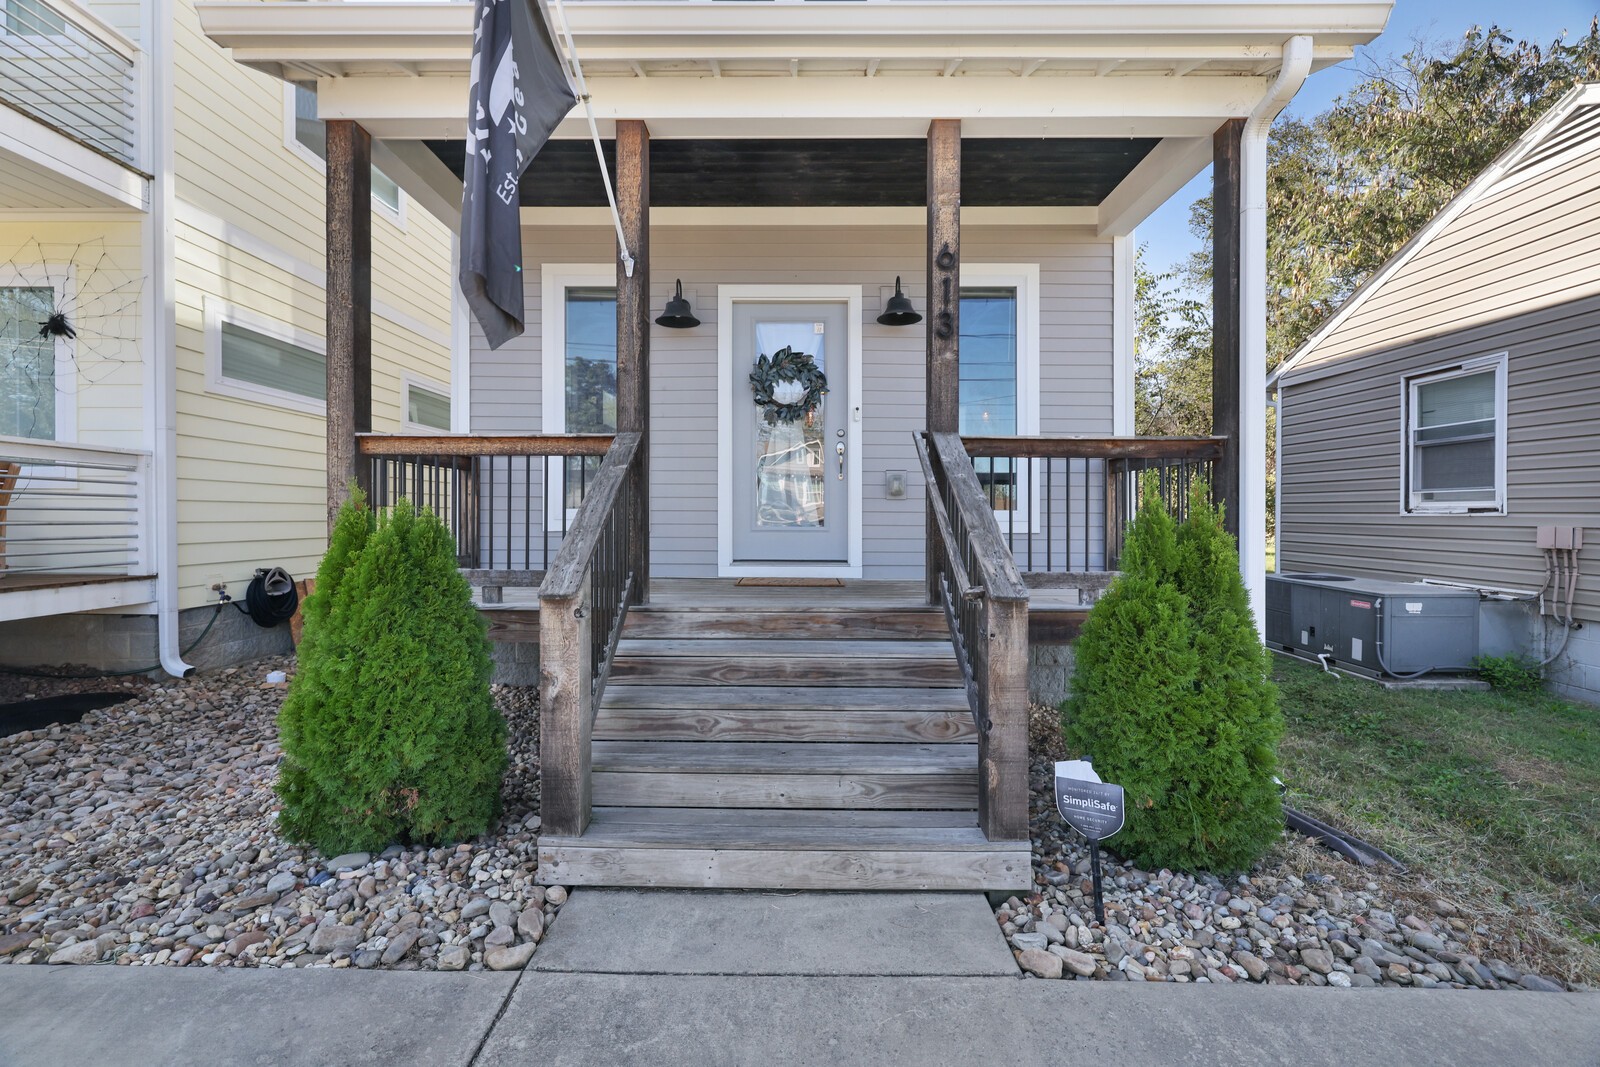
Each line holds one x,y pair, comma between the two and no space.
1442,425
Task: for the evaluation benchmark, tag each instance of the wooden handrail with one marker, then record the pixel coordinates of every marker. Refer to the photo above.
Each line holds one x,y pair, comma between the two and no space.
1067,447
564,579
997,571
941,521
535,444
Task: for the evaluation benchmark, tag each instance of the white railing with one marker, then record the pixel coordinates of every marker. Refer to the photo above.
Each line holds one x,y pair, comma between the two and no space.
73,509
62,66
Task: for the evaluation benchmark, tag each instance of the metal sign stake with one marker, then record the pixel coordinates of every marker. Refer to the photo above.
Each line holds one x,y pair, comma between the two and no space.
1094,868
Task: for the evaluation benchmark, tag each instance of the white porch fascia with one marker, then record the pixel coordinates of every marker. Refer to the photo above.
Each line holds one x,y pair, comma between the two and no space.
135,595
82,178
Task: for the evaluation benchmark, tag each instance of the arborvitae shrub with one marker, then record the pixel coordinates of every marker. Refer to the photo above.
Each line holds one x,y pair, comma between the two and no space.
1171,697
389,731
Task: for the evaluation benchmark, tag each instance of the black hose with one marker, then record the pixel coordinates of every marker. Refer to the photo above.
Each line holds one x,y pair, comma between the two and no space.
268,609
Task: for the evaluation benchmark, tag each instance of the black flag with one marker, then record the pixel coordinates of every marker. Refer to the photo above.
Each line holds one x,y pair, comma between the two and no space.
518,94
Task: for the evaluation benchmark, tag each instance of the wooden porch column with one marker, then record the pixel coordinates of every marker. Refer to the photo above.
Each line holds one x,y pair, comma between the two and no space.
942,395
348,222
944,275
633,332
1226,177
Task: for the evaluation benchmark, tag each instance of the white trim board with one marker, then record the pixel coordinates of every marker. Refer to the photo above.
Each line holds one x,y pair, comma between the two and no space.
727,295
1474,192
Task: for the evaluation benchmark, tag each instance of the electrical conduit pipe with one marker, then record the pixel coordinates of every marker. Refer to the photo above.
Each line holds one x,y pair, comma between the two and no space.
1253,321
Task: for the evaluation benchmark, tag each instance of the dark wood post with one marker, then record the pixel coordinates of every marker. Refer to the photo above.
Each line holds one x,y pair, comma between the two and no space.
942,397
633,333
348,222
944,275
1226,177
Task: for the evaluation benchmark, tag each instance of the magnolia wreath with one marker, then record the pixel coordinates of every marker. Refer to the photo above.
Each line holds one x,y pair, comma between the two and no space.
787,385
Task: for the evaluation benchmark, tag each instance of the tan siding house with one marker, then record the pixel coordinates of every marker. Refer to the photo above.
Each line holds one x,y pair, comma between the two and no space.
1449,409
216,245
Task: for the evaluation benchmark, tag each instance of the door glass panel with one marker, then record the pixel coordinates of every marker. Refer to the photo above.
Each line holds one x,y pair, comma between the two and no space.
27,363
790,461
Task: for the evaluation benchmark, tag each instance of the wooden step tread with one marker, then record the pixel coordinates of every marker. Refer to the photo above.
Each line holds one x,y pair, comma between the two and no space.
569,864
782,648
796,724
799,831
856,624
777,697
777,758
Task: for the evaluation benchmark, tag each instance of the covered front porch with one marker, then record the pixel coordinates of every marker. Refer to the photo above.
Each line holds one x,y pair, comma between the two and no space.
713,733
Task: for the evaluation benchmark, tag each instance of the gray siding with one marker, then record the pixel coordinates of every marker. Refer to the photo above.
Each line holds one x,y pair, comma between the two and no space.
1075,360
1341,456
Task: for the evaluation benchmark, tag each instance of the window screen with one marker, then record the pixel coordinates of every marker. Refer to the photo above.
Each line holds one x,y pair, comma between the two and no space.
424,407
591,377
27,363
1453,440
988,361
255,358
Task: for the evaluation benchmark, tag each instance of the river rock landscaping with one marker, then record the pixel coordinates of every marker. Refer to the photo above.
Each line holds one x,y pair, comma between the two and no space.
145,835
1302,917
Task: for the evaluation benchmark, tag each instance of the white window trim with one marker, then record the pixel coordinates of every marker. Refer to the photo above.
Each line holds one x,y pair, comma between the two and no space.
396,216
1409,384
408,382
1024,278
62,278
219,311
554,281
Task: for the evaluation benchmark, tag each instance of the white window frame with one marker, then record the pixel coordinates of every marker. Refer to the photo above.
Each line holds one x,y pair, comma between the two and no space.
62,279
554,281
409,382
396,215
1024,279
219,311
1409,384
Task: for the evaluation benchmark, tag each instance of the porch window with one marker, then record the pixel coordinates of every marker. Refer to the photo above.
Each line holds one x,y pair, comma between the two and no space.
988,383
1455,438
27,363
426,408
311,135
589,376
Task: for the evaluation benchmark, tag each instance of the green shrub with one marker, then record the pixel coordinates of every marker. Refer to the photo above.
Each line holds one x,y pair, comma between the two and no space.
1513,673
389,731
1171,697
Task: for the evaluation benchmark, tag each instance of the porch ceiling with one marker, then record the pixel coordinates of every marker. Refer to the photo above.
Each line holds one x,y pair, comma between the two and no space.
996,172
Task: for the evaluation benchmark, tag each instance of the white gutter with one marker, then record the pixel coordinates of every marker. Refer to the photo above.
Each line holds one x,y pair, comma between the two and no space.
162,384
1253,320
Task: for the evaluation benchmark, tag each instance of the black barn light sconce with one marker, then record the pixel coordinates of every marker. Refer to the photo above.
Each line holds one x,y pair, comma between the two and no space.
898,311
678,316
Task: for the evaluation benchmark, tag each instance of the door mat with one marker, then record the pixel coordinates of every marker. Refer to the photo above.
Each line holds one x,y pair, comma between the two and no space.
814,583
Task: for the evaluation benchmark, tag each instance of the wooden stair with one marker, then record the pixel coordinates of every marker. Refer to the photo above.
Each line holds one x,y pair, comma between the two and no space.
751,746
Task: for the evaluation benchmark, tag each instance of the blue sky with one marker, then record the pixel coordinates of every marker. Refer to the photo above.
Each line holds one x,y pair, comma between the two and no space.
1166,233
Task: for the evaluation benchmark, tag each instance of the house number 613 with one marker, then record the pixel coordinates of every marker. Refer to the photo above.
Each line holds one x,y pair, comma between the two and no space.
945,321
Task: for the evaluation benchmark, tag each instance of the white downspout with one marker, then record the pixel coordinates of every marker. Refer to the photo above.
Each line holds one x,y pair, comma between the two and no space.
163,382
1253,321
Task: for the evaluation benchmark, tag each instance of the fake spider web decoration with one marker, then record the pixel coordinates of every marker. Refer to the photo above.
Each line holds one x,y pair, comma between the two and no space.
62,304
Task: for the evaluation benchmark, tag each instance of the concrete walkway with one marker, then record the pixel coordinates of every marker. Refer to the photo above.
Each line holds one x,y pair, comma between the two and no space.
783,979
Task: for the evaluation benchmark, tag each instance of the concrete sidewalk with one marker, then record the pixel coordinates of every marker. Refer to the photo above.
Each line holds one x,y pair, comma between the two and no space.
169,1017
773,979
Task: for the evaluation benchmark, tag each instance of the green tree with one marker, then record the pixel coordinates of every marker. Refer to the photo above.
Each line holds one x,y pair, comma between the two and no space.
389,731
1171,699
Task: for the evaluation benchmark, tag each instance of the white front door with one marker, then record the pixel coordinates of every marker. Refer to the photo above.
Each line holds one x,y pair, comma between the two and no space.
790,477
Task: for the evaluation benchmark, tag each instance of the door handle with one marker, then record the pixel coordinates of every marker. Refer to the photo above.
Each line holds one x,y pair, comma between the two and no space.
839,450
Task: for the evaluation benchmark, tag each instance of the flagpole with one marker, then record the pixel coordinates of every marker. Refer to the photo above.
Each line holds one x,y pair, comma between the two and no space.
575,75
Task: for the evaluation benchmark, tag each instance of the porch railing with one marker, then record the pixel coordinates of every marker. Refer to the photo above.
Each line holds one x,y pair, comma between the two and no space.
72,509
582,604
62,66
972,575
1063,504
510,501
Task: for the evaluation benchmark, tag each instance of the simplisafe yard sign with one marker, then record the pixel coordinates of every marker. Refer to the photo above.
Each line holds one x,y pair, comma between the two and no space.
1091,807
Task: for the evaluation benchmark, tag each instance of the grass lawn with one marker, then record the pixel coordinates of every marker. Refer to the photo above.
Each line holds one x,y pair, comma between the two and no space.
1491,798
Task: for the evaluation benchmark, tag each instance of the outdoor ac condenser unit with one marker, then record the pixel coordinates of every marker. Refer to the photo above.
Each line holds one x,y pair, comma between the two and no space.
1372,626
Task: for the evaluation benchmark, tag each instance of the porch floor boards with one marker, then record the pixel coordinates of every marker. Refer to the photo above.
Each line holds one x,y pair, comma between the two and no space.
785,737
